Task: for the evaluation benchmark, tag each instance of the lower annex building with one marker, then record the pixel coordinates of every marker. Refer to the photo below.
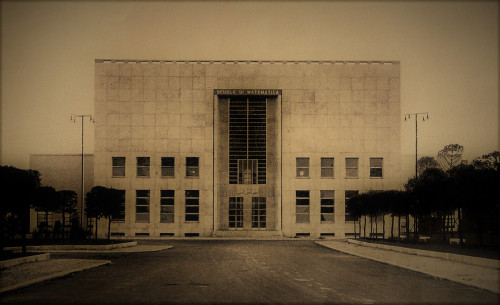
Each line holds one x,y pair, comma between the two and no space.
244,148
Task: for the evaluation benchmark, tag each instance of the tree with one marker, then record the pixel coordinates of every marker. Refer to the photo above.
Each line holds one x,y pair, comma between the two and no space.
491,161
450,156
426,162
17,192
46,202
103,202
67,203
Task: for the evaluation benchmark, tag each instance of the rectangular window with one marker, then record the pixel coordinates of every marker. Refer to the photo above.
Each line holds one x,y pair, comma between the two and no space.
302,206
192,167
118,166
142,166
302,167
192,205
45,218
142,206
351,167
167,205
348,195
376,167
120,215
259,212
247,140
327,206
327,167
236,212
167,167
247,171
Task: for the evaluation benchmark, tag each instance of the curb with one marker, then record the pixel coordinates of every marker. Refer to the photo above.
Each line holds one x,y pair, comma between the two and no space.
471,260
75,247
52,276
26,259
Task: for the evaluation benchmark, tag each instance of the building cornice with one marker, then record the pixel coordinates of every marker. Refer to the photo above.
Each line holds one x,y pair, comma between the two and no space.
250,62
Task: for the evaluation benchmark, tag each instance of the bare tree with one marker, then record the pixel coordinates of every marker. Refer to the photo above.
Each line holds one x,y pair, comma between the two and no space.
450,156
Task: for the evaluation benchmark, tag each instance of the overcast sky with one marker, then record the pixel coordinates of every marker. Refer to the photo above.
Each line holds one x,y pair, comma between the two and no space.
448,52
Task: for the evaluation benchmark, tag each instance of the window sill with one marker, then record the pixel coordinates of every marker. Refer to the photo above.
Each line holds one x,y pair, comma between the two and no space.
117,176
192,177
303,177
352,177
167,177
191,221
376,177
143,177
327,177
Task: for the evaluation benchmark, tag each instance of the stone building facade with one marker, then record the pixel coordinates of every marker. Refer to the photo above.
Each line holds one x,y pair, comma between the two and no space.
244,148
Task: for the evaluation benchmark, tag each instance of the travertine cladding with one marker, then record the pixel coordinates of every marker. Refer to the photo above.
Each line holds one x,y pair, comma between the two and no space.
165,109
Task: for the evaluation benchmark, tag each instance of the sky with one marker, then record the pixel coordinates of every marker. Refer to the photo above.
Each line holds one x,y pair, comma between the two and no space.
448,52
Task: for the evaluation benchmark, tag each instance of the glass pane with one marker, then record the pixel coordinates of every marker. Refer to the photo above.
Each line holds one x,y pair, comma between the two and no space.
192,172
167,161
350,194
118,161
327,172
302,201
192,193
192,217
142,161
376,162
142,217
118,171
167,172
302,162
166,218
302,172
143,171
142,209
142,193
376,172
192,161
193,210
326,162
192,202
326,209
302,194
327,202
327,217
142,201
167,193
327,194
351,162
352,172
302,209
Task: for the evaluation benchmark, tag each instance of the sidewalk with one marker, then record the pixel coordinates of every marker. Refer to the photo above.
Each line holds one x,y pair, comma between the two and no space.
26,274
484,277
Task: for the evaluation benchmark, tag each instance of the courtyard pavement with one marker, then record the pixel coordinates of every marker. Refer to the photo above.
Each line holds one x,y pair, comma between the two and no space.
27,274
468,271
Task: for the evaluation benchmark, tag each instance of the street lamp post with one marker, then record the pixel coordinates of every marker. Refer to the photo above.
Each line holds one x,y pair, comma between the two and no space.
424,115
74,117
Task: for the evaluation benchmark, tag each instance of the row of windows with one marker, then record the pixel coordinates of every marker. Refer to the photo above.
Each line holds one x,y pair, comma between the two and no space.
167,166
142,206
351,166
193,168
327,197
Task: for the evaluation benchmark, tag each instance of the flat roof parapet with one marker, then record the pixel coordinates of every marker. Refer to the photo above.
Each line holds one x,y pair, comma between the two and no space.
284,62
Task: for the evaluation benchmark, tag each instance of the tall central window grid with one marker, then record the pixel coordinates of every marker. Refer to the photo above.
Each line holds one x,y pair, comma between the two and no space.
247,140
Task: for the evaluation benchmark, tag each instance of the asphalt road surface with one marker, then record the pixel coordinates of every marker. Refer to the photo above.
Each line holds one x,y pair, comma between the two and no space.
245,272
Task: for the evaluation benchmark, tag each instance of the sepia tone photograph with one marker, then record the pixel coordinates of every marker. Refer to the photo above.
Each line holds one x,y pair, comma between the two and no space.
249,152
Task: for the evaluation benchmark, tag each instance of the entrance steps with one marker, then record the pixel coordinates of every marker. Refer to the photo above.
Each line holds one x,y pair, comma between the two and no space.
247,233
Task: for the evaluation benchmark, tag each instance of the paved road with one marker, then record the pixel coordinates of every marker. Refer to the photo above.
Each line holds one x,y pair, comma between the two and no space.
286,272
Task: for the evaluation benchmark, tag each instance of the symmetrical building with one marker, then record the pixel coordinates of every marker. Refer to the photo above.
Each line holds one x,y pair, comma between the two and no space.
251,148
